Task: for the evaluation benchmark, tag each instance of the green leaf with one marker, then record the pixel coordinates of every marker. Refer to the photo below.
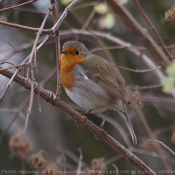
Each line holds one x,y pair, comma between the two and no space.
170,70
109,20
168,84
101,8
65,2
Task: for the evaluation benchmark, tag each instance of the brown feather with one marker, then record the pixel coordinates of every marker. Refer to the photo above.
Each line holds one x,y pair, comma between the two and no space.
106,75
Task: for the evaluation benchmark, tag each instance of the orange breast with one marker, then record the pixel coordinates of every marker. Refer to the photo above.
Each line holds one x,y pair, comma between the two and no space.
67,80
68,62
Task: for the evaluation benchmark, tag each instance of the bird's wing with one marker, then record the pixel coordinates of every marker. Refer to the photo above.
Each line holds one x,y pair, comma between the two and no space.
106,75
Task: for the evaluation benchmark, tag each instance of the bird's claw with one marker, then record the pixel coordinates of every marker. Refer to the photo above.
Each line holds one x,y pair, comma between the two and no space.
76,123
104,132
101,126
97,137
87,121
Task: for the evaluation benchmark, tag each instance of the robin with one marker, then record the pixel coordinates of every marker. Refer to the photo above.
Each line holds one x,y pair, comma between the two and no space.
93,83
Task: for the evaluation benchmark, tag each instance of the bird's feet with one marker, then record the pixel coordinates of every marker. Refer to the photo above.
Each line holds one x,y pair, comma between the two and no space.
96,137
77,124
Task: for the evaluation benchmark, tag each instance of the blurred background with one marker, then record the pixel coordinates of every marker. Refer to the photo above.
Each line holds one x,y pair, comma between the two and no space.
52,130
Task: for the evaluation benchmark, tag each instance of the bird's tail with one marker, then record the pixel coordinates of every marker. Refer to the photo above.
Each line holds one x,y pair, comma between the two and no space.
128,123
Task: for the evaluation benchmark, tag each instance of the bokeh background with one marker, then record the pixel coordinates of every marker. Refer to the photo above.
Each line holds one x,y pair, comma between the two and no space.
54,131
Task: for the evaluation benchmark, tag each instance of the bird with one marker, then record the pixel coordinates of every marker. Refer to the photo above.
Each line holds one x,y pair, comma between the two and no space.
93,83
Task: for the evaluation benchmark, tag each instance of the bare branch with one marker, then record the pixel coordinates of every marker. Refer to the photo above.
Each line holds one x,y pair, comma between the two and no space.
15,6
146,87
34,49
163,146
60,20
26,61
153,29
141,33
148,62
101,134
159,74
14,117
46,31
57,45
80,162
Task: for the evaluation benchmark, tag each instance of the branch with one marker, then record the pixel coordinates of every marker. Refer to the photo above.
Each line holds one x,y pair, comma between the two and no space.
148,62
60,20
19,5
32,29
163,145
57,45
158,73
141,33
153,29
101,134
35,49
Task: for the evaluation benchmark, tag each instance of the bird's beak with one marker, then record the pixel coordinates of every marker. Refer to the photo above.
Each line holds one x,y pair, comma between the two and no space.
64,51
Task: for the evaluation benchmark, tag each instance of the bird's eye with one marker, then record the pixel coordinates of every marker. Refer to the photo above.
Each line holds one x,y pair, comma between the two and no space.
77,52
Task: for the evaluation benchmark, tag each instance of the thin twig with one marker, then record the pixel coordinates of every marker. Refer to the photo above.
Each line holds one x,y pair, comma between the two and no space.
120,129
101,134
39,84
34,49
97,38
10,67
163,145
14,117
116,169
29,58
156,99
48,77
23,104
119,41
29,111
1,1
80,162
7,62
159,131
107,48
137,70
151,134
71,155
46,31
146,87
153,29
152,154
24,62
59,22
15,6
85,5
141,33
148,61
113,159
57,45
89,19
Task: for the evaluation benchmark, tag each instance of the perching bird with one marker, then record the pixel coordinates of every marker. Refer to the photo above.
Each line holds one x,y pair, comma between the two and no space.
93,83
